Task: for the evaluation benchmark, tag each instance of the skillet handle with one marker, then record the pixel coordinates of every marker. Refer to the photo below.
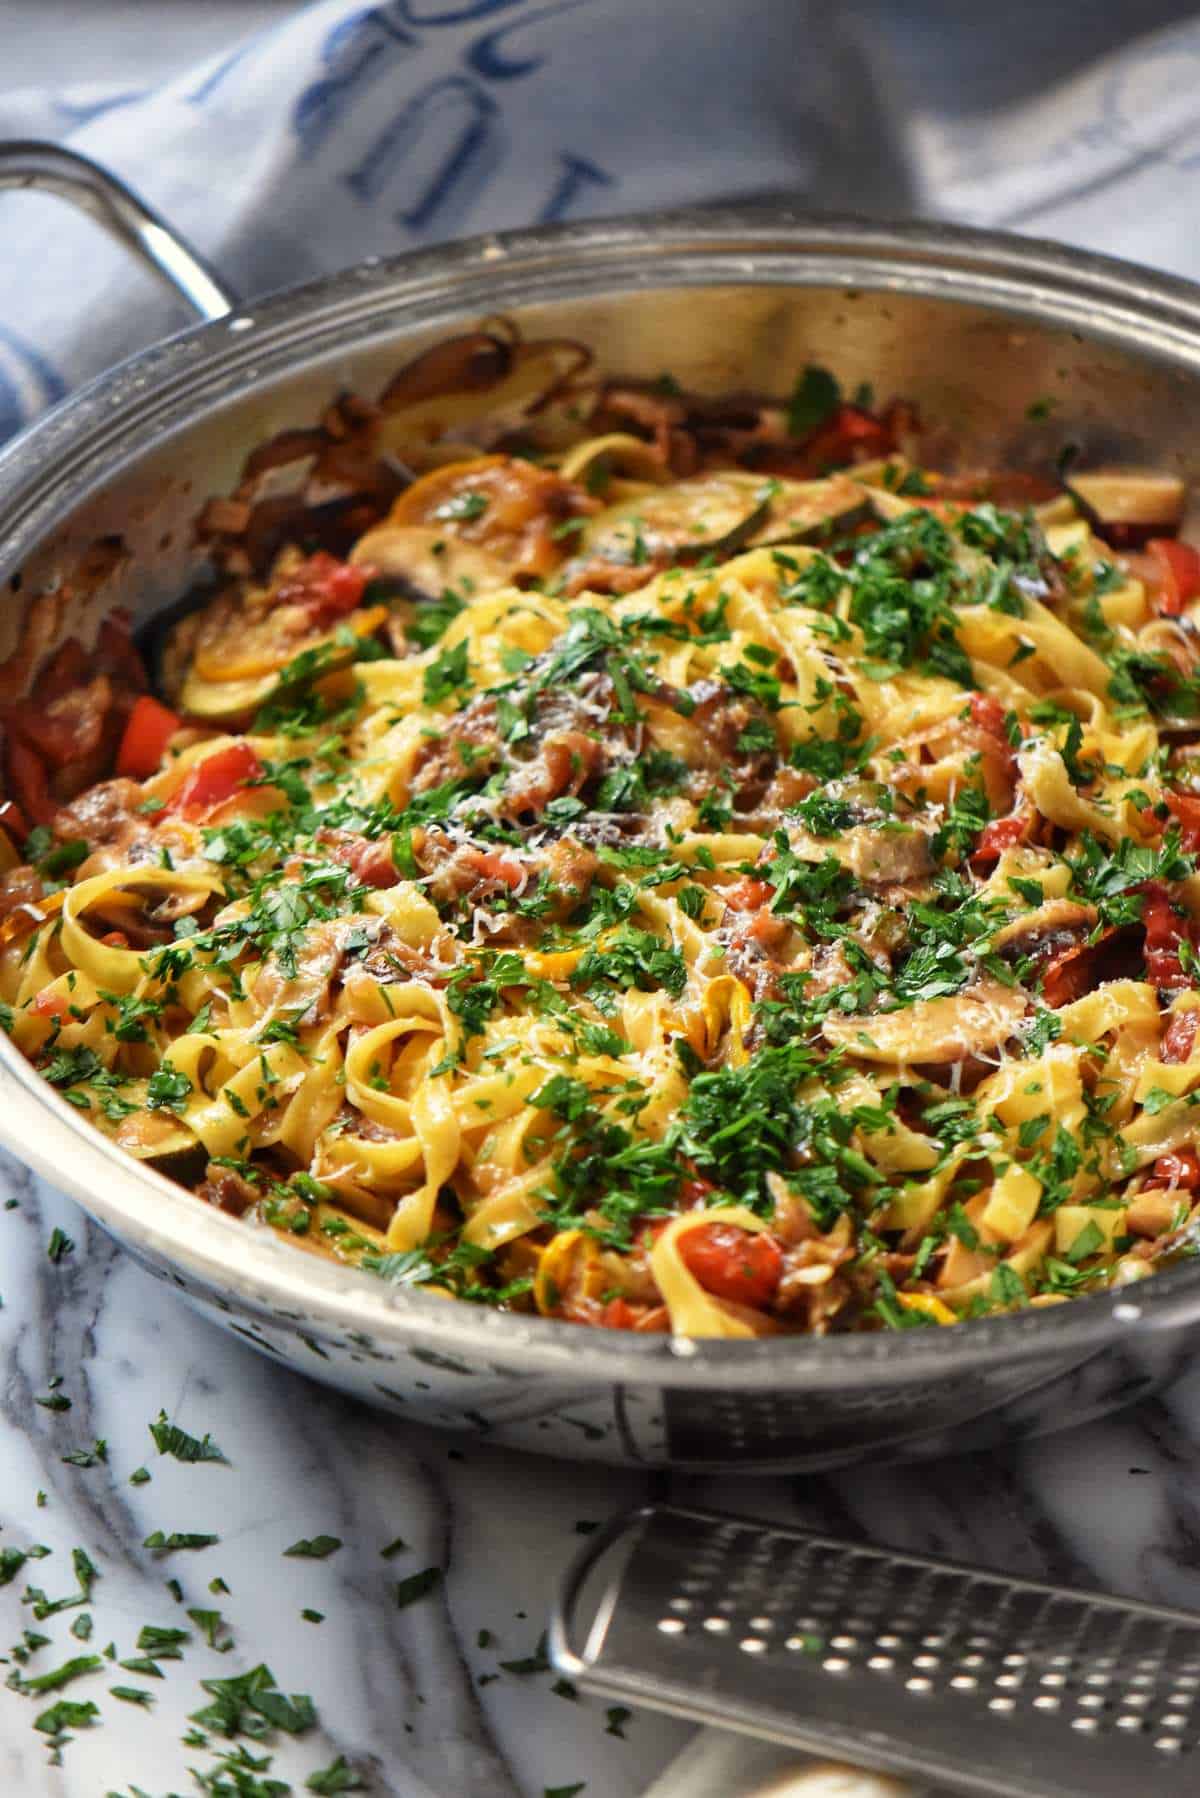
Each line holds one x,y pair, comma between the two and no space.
50,169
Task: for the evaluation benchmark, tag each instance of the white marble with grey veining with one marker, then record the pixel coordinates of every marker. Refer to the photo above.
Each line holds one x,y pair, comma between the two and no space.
404,1694
399,1693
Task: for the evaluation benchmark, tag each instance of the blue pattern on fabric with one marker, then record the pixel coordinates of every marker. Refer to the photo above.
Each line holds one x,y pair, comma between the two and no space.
577,173
452,120
350,129
453,14
357,51
484,54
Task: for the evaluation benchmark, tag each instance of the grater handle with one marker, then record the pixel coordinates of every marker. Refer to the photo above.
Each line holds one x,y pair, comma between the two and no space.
574,1662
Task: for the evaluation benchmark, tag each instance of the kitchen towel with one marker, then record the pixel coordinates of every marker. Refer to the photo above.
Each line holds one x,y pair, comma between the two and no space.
345,130
350,130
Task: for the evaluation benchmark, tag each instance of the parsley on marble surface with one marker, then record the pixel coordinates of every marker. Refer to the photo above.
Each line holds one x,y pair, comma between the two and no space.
169,1439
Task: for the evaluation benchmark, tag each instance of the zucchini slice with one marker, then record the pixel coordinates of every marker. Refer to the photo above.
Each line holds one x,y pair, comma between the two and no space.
715,514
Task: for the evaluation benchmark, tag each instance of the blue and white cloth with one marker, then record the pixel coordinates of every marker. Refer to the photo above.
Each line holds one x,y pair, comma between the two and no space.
347,129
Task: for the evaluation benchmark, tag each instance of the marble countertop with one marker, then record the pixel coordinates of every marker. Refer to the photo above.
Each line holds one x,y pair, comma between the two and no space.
415,1697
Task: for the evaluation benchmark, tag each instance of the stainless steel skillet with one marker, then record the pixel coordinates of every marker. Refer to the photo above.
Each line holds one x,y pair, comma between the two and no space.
975,328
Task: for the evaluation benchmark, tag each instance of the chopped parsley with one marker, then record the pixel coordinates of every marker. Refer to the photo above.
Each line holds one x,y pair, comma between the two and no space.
169,1439
815,397
447,674
314,1548
417,1585
167,1542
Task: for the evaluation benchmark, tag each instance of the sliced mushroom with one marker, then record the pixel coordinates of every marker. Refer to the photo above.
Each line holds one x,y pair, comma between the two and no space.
1034,933
471,388
598,459
895,854
933,1031
423,561
513,509
1127,505
871,830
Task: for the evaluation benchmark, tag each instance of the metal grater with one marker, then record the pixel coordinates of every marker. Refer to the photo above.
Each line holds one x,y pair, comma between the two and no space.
895,1661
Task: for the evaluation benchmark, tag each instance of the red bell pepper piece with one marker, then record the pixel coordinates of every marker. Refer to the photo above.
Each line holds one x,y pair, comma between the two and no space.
1185,808
1075,971
694,1190
149,729
618,1314
749,894
1178,574
30,782
1000,834
328,588
850,435
999,758
214,780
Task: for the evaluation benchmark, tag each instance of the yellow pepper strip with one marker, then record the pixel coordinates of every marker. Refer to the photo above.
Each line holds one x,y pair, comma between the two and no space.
569,1265
27,918
928,1305
554,964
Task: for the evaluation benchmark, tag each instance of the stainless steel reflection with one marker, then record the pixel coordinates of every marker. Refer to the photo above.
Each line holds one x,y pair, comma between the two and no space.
974,328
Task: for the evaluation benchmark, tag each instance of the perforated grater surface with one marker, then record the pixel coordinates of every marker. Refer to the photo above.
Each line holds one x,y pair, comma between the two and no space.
895,1661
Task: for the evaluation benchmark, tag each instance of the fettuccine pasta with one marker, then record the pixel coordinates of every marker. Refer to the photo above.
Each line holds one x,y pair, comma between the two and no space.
725,901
